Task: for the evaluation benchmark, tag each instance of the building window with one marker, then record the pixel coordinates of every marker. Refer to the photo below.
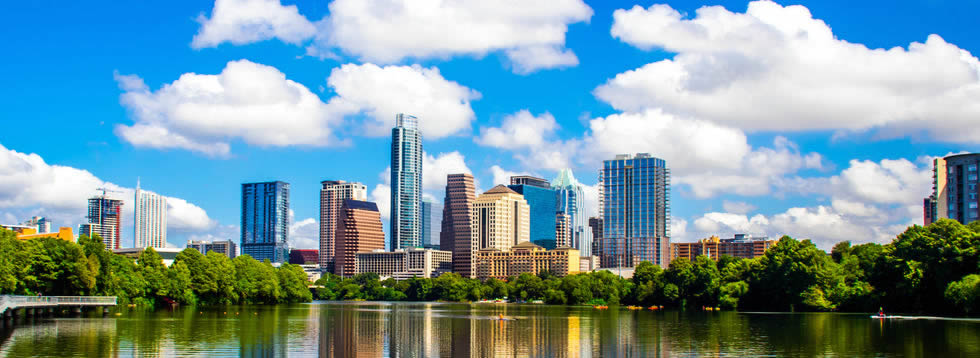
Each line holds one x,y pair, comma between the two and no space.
972,168
972,177
973,205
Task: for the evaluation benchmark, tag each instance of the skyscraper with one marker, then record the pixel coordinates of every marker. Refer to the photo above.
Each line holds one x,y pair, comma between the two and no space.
265,221
43,224
571,201
456,235
563,232
104,219
358,230
332,196
500,219
636,216
543,203
406,183
954,189
150,219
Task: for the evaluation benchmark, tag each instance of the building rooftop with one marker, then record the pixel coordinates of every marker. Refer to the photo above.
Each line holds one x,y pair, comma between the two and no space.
360,205
564,179
500,189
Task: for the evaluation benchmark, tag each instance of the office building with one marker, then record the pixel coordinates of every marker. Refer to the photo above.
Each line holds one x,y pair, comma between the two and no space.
42,224
406,183
636,214
403,264
571,201
563,230
149,219
530,181
265,221
427,229
595,227
332,196
104,219
224,247
358,230
543,204
741,246
500,219
954,189
304,256
28,233
526,257
456,235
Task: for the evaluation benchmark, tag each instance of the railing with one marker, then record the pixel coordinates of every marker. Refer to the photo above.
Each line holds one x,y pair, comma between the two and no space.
15,302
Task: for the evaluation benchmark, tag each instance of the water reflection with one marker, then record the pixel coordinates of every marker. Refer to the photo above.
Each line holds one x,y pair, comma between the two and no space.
370,329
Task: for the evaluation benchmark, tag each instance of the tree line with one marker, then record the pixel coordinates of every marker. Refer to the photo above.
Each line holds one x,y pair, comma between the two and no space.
933,269
55,267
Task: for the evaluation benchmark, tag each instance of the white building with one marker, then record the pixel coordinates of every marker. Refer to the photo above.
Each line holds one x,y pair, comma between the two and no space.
403,264
42,224
150,219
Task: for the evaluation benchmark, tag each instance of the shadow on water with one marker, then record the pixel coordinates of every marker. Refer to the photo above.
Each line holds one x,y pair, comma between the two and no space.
369,329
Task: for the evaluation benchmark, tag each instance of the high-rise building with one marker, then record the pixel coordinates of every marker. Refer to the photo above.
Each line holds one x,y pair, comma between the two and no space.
332,196
456,235
104,219
42,224
500,219
563,232
741,246
265,221
595,226
304,256
358,230
954,189
149,219
426,222
224,247
636,214
543,203
406,183
529,180
571,201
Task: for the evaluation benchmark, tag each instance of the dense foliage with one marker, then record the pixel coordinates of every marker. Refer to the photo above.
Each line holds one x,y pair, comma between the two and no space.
931,269
925,269
56,267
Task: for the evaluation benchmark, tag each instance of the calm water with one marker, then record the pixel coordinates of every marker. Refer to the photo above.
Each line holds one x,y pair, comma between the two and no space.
371,329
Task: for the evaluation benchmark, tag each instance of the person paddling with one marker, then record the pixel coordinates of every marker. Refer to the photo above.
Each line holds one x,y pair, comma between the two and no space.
881,312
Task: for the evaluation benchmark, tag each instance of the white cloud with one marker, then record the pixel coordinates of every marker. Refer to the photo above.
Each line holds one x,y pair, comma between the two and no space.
502,176
519,130
381,195
678,230
259,105
30,186
246,21
737,207
435,169
531,34
443,106
778,68
887,182
304,234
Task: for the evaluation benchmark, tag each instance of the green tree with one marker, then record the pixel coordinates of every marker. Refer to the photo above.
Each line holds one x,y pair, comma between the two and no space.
294,283
965,294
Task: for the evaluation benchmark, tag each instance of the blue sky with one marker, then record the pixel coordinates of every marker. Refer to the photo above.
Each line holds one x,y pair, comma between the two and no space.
770,126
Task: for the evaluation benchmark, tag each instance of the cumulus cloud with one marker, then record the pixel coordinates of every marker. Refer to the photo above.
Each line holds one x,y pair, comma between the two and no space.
30,186
381,195
521,129
779,68
303,234
435,169
257,104
502,176
443,106
531,34
246,21
870,202
737,207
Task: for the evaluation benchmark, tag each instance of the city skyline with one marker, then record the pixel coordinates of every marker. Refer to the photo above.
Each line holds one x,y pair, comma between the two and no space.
801,161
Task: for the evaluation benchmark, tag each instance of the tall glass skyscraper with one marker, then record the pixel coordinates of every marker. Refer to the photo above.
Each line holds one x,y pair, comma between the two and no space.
406,183
542,200
571,201
265,221
636,212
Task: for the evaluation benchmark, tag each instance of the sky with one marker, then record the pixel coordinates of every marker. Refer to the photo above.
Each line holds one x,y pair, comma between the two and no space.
816,120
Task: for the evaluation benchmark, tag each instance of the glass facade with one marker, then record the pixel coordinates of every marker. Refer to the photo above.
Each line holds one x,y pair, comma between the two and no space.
960,187
265,221
406,183
636,211
571,201
543,205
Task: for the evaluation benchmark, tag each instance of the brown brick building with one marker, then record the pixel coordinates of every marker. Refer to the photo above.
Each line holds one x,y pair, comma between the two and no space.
456,235
741,246
526,257
358,230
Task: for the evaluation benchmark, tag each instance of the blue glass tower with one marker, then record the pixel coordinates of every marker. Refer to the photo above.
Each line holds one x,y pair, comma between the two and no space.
406,183
636,211
571,201
542,201
426,223
265,221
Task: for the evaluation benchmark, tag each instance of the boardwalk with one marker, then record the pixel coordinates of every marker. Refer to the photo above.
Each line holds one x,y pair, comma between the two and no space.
16,302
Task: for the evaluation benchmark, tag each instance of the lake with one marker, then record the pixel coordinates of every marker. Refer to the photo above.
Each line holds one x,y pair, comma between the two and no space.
376,329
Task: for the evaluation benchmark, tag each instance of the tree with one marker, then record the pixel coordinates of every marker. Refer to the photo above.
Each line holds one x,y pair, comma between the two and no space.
965,294
295,287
